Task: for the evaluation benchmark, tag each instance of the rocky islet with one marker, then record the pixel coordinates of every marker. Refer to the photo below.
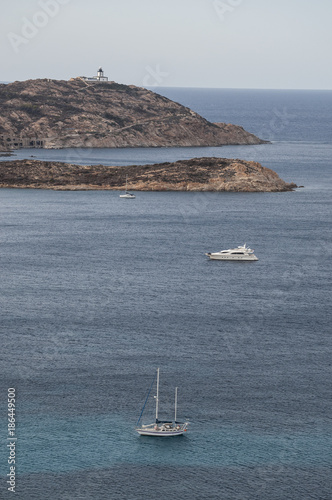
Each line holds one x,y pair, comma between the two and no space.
197,174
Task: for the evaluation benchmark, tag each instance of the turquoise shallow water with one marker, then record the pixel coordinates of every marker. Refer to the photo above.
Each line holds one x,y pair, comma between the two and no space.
91,443
97,292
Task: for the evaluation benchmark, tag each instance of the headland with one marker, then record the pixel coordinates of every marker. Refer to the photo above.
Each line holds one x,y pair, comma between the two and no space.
46,113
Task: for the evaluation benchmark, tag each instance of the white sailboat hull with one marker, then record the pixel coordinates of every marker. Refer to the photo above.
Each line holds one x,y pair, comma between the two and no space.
128,196
142,432
162,431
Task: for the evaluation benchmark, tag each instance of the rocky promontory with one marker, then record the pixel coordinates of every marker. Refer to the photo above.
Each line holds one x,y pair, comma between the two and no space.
197,174
77,114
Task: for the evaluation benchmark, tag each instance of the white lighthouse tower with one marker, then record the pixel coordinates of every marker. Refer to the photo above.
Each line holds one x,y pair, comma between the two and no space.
100,74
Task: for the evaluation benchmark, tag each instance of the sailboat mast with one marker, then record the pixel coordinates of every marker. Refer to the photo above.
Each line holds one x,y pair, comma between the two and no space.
157,396
176,403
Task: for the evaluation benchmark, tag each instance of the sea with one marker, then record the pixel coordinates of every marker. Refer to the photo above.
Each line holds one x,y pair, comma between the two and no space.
97,292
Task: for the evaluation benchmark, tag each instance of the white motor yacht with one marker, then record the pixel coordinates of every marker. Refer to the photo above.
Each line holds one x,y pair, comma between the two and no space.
240,253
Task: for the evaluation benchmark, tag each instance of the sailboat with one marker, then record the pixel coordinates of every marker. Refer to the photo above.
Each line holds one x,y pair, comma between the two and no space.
161,428
127,194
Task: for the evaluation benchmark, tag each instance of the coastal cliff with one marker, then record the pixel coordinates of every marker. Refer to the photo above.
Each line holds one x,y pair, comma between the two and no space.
197,174
76,114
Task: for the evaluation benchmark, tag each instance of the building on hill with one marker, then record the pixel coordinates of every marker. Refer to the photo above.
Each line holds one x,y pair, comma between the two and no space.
99,78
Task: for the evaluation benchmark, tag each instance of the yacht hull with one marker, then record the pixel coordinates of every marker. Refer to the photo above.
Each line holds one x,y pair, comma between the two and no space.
216,256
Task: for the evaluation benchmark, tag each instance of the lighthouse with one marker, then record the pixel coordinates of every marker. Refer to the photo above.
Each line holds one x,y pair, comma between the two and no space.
99,78
100,74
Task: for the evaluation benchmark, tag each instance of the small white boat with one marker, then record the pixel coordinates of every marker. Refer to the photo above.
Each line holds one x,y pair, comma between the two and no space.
161,428
127,194
240,253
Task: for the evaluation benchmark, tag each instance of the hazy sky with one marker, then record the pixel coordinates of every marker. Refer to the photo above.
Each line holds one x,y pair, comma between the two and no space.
184,43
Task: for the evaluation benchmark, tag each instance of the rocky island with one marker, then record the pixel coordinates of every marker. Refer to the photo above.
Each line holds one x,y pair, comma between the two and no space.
197,174
48,113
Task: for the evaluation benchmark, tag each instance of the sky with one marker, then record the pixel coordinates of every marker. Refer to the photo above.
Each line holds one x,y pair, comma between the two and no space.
262,44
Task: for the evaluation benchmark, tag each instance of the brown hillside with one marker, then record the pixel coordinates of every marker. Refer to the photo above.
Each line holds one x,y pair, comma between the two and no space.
57,114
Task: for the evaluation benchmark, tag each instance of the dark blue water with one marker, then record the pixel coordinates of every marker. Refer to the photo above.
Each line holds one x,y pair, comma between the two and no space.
97,292
275,115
